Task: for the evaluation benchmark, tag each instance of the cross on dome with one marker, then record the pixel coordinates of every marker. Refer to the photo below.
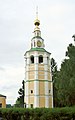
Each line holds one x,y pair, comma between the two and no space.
37,22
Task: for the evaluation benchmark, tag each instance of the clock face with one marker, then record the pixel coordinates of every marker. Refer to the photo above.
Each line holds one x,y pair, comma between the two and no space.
39,43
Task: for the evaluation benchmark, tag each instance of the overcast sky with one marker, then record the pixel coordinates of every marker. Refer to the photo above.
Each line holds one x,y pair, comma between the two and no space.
17,17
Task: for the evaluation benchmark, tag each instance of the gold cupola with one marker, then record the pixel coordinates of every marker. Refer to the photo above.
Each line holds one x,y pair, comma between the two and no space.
37,22
37,41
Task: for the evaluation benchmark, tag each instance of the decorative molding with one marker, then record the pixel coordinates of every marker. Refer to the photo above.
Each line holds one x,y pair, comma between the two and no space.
38,80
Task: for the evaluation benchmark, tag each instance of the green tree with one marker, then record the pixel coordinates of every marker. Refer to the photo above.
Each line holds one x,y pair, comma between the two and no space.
54,79
20,99
53,68
66,79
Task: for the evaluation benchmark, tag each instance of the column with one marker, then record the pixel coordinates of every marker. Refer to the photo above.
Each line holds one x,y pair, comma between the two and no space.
46,82
36,83
26,80
46,94
26,94
27,66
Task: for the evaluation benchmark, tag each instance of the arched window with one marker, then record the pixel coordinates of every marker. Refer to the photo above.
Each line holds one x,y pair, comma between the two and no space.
32,59
40,59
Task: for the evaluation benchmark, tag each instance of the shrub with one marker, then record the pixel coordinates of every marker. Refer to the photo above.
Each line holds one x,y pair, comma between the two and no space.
67,113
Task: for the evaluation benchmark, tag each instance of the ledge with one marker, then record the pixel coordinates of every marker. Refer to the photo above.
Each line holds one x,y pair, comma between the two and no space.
37,49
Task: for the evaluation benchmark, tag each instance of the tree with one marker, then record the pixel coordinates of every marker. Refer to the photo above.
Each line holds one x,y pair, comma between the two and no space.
20,99
54,79
66,78
53,68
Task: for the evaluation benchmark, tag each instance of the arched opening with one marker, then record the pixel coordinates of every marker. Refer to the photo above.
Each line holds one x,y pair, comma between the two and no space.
32,59
40,59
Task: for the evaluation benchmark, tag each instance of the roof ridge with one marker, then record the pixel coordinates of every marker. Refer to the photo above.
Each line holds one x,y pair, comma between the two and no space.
2,95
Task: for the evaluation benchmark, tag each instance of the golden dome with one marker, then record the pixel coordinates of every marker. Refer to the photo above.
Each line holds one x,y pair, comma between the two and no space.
36,22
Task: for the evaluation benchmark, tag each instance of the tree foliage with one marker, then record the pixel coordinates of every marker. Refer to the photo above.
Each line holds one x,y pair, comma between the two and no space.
65,82
54,79
20,99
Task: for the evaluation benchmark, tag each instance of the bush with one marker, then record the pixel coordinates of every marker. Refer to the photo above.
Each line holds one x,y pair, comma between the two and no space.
67,113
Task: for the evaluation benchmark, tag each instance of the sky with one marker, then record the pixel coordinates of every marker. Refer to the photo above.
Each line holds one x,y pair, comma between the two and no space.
57,18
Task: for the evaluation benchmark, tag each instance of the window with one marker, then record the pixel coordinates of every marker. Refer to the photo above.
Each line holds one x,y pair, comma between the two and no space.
40,59
31,105
37,33
31,91
0,105
49,91
32,59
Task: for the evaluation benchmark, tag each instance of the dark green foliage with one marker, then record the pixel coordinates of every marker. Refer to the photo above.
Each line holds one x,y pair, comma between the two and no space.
20,99
67,113
54,79
65,80
53,69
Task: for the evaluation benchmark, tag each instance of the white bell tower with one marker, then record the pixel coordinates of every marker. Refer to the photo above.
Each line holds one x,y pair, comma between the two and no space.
38,77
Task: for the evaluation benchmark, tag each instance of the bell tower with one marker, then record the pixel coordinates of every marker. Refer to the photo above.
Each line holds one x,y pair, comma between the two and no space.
38,78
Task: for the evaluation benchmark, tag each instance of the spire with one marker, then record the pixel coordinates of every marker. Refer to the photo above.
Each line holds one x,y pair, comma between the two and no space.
37,22
37,41
37,12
